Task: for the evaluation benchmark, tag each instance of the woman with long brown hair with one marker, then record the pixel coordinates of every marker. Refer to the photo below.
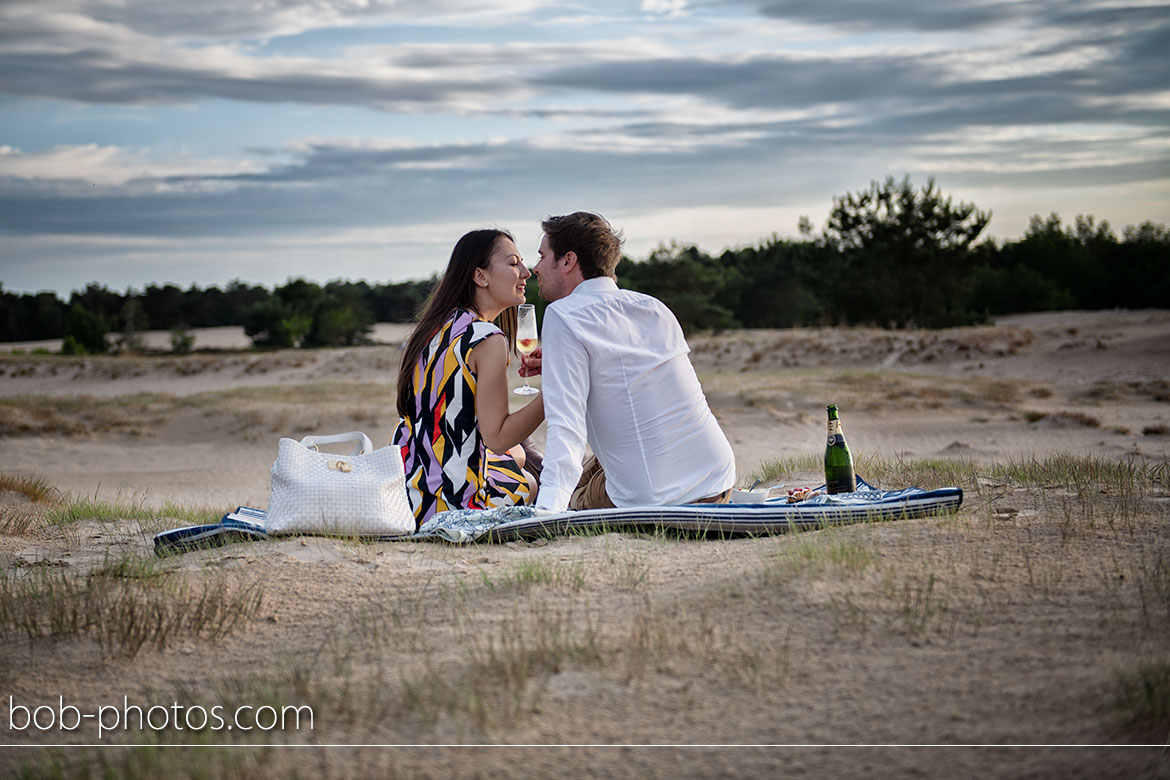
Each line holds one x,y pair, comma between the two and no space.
459,443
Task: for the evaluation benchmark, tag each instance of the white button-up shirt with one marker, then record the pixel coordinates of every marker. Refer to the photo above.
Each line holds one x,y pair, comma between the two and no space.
615,372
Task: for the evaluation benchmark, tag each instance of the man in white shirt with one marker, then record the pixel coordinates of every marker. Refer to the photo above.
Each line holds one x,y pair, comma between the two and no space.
615,374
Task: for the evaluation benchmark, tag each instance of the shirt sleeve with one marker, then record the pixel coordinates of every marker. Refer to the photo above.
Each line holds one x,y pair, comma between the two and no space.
565,384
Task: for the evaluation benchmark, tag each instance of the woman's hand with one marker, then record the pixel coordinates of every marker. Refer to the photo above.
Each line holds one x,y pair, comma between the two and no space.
530,364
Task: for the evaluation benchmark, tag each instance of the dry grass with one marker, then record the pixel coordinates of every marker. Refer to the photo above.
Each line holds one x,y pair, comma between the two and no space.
604,638
72,510
1062,418
33,488
1141,699
259,411
124,605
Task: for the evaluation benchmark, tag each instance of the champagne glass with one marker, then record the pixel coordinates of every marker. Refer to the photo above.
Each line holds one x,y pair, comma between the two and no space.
525,339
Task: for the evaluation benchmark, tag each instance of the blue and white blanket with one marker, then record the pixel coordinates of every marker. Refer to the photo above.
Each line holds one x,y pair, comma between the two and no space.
520,522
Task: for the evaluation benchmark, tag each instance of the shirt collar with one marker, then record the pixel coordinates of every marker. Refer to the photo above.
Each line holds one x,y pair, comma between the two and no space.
597,284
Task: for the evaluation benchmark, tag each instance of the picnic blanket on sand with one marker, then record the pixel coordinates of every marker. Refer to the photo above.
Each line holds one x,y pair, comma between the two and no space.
464,526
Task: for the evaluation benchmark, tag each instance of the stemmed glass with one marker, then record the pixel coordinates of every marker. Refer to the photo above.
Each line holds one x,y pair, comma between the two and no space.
525,339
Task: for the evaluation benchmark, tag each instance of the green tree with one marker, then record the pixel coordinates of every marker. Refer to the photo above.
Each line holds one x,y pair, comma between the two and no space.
285,318
341,317
182,340
276,323
692,284
903,255
776,284
301,313
99,300
135,323
85,333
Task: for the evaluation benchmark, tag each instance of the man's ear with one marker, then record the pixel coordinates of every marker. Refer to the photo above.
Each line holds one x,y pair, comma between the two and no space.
570,259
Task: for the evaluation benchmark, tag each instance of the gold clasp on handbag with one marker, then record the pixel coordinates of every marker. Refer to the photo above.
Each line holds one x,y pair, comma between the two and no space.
340,465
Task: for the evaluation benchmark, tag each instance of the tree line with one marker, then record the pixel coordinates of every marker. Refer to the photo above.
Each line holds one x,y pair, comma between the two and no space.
299,313
893,256
899,256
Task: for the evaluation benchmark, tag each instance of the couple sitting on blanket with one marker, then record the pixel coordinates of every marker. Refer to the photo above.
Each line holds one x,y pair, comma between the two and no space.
615,374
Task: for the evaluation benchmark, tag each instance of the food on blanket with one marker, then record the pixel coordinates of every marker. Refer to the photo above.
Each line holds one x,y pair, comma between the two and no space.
839,476
801,494
749,496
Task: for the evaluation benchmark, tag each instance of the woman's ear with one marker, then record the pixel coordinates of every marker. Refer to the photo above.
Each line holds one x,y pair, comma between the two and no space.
479,278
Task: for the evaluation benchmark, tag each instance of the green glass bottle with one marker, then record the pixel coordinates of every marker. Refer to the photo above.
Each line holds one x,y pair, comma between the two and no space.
839,476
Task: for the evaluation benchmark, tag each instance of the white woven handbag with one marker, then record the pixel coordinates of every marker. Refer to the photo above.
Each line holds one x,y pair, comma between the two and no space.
314,492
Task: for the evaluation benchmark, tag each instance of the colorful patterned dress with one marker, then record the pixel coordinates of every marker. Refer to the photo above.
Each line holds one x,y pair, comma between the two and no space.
447,464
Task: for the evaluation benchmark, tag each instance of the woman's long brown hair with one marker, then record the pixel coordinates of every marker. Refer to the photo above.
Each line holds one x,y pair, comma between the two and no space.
455,290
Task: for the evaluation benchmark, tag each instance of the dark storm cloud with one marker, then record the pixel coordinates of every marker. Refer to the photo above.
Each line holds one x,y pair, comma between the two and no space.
49,61
933,16
873,107
346,187
924,15
98,77
1133,64
230,19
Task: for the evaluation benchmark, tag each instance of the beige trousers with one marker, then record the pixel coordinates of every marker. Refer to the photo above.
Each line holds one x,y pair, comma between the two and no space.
590,491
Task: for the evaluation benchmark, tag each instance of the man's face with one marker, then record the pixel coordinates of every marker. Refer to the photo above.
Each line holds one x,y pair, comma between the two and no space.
550,276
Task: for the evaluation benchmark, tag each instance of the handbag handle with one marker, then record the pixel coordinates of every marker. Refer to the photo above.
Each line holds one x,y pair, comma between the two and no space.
363,446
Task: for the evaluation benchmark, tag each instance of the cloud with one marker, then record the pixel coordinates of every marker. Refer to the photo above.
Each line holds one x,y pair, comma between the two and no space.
228,19
931,16
118,56
924,15
100,77
90,165
706,117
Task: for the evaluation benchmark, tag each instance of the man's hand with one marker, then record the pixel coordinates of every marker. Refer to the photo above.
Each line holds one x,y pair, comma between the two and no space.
530,364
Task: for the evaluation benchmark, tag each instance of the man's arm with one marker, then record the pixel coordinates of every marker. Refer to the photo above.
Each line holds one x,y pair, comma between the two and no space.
565,386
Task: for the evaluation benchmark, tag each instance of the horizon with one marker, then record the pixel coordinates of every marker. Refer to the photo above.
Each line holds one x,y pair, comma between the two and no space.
147,143
138,289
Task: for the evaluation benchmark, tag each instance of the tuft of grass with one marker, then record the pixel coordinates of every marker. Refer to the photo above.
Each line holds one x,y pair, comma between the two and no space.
33,488
775,470
923,605
708,636
1156,430
528,574
1078,418
16,521
926,473
878,470
73,510
1152,577
1063,417
506,672
146,760
839,554
124,605
1141,697
1084,472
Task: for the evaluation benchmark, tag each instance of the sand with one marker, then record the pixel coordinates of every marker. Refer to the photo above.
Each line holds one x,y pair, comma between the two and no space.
1004,624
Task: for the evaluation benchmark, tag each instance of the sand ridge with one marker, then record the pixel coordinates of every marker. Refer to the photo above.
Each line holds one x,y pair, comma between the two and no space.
1003,624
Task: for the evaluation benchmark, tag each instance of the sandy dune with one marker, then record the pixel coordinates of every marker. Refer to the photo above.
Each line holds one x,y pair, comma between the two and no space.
1029,385
1007,623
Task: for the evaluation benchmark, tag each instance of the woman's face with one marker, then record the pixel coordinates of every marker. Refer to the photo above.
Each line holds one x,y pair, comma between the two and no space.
506,275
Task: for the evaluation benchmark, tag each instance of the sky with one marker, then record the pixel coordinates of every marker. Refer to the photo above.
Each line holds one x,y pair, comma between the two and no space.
155,141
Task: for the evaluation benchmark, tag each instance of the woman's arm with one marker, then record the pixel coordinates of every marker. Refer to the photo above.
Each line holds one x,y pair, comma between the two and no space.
500,430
